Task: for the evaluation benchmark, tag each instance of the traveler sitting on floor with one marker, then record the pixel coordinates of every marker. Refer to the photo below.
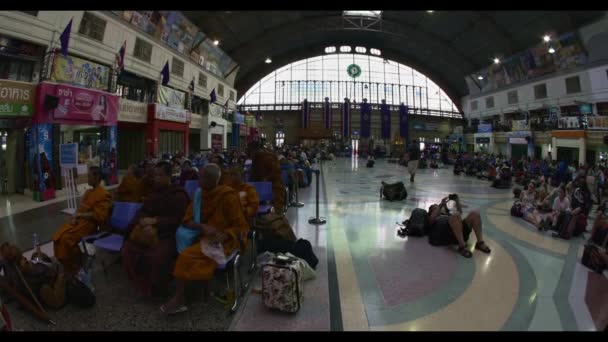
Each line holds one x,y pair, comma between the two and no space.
371,160
581,206
528,200
221,221
599,231
129,189
93,211
150,250
188,173
561,204
447,228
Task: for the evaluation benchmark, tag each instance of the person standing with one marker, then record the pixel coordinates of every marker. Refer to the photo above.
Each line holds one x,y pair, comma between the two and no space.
413,156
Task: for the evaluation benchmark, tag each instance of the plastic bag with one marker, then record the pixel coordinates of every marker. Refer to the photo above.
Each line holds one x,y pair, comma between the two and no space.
213,251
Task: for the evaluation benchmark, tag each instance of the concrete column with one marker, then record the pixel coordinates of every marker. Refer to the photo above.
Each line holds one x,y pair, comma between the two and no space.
554,148
582,150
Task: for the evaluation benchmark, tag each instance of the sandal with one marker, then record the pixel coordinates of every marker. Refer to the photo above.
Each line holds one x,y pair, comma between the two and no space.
180,309
465,252
480,245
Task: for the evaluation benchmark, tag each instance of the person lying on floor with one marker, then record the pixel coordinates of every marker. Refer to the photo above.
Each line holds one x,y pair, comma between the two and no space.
448,228
222,220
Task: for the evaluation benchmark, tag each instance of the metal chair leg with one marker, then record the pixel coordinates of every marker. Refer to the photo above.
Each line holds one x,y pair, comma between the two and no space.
236,291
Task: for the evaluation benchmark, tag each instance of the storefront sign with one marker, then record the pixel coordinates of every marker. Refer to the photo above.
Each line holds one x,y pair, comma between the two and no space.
83,105
171,97
597,123
518,141
80,72
570,122
484,128
68,155
250,120
239,118
132,111
520,125
216,141
197,121
171,114
586,109
16,98
482,140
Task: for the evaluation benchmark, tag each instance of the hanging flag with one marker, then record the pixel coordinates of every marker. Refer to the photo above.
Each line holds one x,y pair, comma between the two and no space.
385,113
226,105
120,57
165,74
212,96
64,39
403,125
191,87
346,119
366,121
527,114
327,115
305,113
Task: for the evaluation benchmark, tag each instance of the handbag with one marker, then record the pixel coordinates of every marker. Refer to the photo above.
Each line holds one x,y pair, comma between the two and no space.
213,251
589,259
184,236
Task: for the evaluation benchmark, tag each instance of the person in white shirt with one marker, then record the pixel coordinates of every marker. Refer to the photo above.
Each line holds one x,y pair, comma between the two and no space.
561,204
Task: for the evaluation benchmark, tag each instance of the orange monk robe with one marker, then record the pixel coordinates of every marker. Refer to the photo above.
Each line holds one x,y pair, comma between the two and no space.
65,241
220,208
249,202
129,190
146,186
265,167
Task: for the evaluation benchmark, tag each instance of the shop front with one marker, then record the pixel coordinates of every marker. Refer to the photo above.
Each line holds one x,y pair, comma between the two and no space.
214,133
16,110
196,126
484,142
570,146
70,114
132,119
520,144
167,131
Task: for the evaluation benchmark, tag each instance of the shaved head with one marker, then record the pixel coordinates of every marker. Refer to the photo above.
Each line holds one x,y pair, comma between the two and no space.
210,176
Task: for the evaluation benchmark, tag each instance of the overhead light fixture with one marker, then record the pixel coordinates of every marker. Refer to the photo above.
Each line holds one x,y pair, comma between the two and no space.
546,38
551,50
496,60
480,77
268,60
216,42
430,11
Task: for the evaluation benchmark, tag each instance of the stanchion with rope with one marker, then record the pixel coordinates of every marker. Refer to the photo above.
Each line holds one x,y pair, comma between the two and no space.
317,220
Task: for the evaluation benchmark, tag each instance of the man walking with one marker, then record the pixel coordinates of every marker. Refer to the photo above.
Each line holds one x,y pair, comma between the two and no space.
413,156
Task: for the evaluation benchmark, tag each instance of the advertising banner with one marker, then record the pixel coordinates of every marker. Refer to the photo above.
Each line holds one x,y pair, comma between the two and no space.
366,119
171,114
80,72
132,111
196,121
171,97
597,122
484,128
68,155
385,113
242,130
570,122
250,120
42,162
239,118
403,124
520,125
216,141
17,98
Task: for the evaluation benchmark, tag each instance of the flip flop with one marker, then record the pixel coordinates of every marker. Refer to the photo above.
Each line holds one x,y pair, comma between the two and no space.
182,308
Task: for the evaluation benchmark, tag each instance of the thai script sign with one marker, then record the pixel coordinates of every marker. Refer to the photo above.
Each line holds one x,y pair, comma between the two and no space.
16,98
171,114
132,111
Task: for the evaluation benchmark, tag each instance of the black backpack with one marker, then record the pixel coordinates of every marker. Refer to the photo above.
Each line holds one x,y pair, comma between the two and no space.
303,250
79,294
393,192
417,224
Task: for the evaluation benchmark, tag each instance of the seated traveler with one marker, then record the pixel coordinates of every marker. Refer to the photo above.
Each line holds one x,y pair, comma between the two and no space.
129,189
188,173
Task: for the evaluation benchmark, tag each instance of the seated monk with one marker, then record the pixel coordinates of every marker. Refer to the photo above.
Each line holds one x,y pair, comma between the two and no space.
188,173
247,194
265,168
130,186
149,267
93,210
222,220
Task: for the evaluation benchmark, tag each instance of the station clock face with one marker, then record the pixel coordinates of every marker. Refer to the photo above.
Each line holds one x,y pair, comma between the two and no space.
353,70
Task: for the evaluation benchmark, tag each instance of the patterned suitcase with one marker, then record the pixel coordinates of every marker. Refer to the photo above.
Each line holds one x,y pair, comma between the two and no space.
282,285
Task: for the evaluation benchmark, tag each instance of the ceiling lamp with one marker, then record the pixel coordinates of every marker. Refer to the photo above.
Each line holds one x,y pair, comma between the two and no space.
546,38
496,60
480,77
551,50
430,12
268,61
216,42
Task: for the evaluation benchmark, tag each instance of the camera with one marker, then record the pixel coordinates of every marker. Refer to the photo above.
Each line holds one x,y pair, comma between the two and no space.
452,197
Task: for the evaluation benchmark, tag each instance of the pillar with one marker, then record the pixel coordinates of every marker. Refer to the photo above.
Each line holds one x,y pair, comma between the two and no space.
582,150
554,148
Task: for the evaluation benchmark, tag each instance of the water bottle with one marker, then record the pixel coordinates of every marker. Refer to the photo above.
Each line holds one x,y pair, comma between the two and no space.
36,248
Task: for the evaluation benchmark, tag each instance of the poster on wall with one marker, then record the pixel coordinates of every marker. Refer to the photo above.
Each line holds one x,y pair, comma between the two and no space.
216,142
171,97
80,72
42,162
85,105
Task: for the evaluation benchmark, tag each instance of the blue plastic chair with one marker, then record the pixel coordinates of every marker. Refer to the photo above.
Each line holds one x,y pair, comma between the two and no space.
190,186
264,190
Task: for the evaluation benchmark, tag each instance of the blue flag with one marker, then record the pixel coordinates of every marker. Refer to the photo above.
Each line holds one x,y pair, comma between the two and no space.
403,124
212,96
366,121
165,74
305,113
327,115
385,113
64,39
346,119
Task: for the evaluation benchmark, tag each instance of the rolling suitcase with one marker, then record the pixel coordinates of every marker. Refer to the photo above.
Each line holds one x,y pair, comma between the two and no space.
282,288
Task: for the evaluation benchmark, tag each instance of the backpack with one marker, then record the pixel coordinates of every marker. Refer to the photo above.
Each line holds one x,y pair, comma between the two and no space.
417,224
303,250
79,294
516,209
393,192
275,225
370,163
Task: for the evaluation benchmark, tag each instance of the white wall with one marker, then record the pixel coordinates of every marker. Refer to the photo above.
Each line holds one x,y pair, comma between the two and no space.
221,128
48,25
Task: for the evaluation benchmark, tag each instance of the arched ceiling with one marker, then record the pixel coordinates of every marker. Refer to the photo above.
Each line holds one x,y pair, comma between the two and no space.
447,46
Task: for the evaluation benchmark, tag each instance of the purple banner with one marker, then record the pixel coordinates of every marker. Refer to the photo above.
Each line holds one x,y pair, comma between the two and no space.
346,119
305,113
385,113
327,114
403,126
366,119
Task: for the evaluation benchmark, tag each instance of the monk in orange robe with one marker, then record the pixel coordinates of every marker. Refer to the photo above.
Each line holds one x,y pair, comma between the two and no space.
146,186
130,187
222,220
93,210
247,194
265,168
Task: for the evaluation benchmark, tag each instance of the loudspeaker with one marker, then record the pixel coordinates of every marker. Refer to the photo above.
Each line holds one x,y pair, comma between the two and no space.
50,102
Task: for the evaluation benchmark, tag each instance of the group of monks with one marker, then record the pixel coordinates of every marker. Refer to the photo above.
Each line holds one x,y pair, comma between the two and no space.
228,206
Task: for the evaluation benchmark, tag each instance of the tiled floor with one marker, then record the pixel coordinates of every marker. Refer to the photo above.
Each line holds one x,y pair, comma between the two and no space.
368,278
